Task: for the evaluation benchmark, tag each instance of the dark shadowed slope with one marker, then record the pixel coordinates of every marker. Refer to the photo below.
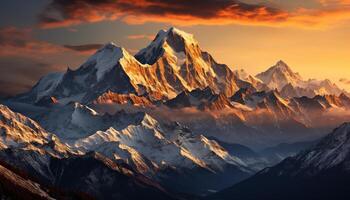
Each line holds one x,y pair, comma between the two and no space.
322,172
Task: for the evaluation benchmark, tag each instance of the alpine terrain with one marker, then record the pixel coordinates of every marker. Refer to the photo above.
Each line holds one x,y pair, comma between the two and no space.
170,122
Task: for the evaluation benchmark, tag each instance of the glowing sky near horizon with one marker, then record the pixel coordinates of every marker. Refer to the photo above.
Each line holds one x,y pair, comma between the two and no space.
311,36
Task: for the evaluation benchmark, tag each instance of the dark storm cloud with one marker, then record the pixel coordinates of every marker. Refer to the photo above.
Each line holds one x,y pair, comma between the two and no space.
60,13
68,12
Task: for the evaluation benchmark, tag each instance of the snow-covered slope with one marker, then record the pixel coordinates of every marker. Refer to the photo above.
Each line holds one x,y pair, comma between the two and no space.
303,109
279,75
241,74
171,63
321,172
147,146
291,84
159,150
136,137
331,151
173,71
75,120
26,146
167,146
168,152
46,85
185,65
103,71
18,131
89,176
165,42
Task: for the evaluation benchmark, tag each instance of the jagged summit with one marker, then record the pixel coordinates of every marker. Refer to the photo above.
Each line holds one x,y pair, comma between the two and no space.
170,64
173,62
104,70
106,58
110,45
170,42
284,67
187,37
282,64
279,75
291,84
174,32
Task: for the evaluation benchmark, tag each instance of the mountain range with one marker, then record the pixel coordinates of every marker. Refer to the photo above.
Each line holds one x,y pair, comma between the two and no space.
320,172
173,62
174,72
163,122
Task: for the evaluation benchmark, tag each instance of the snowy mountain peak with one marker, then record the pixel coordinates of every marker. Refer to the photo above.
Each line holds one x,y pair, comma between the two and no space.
45,86
187,37
164,35
111,46
279,75
173,42
171,63
282,64
12,120
282,68
106,58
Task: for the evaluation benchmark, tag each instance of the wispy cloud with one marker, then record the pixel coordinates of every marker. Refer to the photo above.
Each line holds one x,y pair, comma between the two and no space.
141,36
15,41
85,48
334,2
345,81
24,59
